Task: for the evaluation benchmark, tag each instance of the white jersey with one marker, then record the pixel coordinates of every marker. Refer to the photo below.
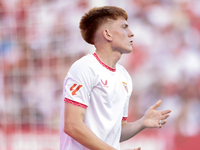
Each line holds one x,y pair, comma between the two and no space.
104,92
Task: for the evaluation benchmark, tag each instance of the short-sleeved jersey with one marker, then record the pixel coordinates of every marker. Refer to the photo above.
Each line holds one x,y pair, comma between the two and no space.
104,92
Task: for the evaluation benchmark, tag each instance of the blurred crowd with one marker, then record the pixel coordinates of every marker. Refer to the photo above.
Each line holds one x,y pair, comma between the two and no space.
40,39
165,62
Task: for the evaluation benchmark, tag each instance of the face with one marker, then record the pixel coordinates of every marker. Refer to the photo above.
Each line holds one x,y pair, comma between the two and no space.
121,36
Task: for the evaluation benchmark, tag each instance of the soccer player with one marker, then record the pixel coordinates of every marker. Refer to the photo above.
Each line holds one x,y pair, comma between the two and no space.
97,89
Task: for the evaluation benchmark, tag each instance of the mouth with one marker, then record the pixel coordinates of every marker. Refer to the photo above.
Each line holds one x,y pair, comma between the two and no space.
131,42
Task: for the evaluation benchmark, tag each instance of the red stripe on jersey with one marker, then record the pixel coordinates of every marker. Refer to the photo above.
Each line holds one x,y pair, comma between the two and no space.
124,118
106,66
75,103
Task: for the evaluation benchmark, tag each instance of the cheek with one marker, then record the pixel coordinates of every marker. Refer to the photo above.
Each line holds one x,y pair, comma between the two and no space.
124,35
120,36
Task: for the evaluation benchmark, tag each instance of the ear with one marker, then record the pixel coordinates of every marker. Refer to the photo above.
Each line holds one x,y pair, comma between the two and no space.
107,35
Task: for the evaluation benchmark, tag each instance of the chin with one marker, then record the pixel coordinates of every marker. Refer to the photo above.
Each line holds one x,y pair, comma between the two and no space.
125,50
128,51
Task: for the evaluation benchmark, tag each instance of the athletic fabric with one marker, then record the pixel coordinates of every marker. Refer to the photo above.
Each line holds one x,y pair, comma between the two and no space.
104,92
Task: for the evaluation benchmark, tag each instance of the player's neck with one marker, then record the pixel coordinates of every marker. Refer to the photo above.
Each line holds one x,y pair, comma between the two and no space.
110,58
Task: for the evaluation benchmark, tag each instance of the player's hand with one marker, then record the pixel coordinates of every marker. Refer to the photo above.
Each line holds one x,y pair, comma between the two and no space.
154,118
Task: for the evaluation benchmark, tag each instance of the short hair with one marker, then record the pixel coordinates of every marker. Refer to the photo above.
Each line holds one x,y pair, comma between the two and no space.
97,16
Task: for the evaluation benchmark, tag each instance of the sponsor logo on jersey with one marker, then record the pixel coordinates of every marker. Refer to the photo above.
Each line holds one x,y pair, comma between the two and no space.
74,88
125,86
104,83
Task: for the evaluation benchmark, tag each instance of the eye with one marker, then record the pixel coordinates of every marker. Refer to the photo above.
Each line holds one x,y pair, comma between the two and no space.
125,26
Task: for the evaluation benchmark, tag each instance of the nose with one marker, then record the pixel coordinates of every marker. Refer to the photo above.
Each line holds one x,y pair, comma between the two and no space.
131,33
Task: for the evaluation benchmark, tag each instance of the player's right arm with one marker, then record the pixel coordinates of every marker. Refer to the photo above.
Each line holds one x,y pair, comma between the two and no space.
79,82
77,129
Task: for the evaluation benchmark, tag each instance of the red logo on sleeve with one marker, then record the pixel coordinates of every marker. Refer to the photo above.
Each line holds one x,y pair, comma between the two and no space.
76,88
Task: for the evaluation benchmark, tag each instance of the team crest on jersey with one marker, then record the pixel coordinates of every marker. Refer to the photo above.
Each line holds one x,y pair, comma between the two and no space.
125,86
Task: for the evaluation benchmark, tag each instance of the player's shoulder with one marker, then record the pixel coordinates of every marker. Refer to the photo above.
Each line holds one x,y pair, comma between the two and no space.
87,60
123,70
84,64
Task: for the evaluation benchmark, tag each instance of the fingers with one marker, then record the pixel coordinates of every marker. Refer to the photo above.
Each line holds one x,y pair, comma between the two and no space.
161,123
157,104
165,112
163,120
163,117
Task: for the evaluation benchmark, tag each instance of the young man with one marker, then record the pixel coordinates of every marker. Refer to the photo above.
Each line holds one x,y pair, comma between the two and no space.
97,89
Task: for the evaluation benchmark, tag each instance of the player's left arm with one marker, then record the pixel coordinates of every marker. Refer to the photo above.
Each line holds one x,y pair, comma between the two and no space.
151,119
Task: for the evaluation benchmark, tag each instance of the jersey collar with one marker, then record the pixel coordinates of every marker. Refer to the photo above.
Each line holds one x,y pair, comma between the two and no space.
103,64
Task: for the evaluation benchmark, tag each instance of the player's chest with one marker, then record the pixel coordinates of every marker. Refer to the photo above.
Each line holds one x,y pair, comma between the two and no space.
113,85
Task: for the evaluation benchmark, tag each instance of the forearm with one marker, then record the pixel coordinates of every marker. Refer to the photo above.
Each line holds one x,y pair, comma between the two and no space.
82,134
151,119
131,129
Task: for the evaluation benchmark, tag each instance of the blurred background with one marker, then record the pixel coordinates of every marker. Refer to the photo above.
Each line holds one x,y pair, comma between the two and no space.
40,39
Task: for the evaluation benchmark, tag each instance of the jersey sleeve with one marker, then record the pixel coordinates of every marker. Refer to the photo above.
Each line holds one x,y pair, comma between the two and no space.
125,112
78,84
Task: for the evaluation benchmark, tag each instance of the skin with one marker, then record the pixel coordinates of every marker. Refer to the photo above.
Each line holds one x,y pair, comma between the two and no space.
111,40
151,119
75,127
122,37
